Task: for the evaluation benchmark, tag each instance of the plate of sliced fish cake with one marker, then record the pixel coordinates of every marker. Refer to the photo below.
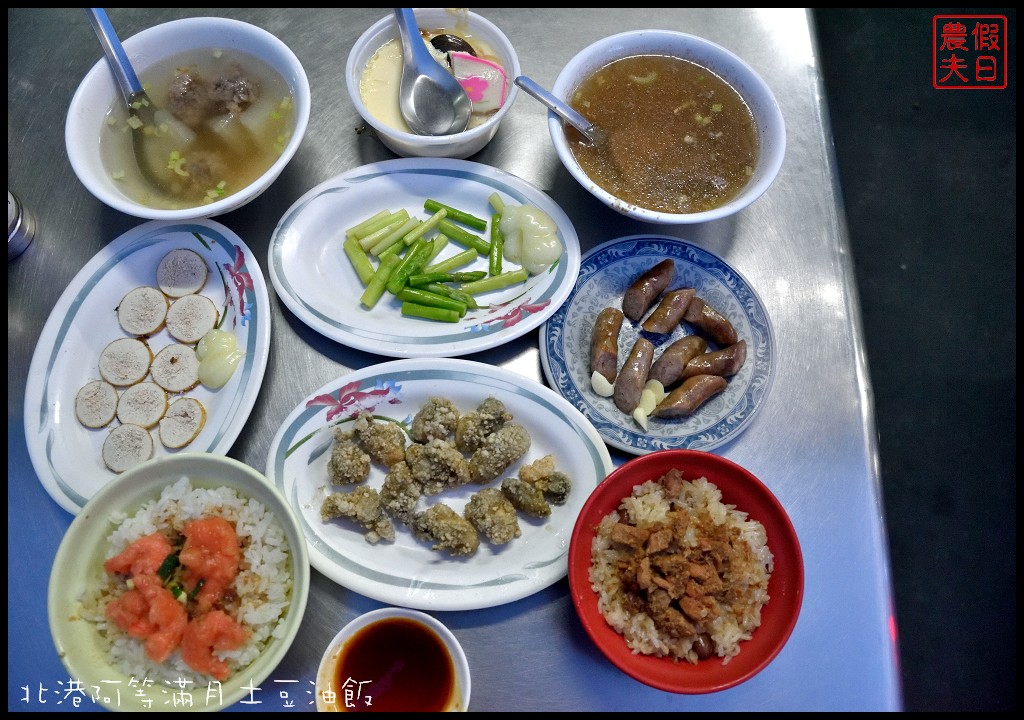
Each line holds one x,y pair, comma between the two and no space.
158,345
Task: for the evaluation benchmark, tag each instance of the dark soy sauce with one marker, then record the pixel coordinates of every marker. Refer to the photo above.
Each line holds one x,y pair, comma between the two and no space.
400,664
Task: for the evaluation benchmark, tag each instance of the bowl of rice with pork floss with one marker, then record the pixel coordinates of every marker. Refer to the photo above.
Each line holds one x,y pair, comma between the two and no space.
187,576
686,571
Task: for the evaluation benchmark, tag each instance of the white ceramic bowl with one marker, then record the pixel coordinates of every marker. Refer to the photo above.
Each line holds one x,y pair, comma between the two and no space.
389,639
407,144
753,89
79,565
98,90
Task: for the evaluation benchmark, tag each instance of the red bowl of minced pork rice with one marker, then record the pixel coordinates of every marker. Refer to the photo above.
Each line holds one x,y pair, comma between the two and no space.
188,571
686,571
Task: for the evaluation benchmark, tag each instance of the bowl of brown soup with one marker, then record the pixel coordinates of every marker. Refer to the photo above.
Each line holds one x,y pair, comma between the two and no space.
690,132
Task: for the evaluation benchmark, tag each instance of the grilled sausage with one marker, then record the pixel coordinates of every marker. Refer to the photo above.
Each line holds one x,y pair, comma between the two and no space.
689,396
669,311
604,346
668,368
725,362
630,382
646,289
710,322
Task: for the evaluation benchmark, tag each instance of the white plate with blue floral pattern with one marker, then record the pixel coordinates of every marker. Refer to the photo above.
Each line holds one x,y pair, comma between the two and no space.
66,455
407,571
605,273
315,279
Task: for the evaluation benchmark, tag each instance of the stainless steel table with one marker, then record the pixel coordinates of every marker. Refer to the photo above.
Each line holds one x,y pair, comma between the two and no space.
813,442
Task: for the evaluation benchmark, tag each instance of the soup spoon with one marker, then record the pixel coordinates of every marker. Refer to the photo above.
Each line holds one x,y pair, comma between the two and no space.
593,134
431,99
140,108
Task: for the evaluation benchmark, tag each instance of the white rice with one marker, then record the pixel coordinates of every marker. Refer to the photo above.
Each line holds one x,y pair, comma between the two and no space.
738,618
263,584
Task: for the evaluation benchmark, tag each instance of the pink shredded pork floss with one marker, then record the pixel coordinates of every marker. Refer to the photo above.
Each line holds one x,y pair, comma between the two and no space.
151,612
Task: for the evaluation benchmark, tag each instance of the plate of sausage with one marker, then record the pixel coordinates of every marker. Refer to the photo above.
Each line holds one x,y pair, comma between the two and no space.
661,345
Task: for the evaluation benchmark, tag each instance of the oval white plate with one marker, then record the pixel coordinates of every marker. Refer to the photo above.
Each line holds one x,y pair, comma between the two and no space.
407,572
66,454
314,278
606,272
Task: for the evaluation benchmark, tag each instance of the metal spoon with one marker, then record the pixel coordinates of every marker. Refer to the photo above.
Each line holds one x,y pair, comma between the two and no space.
431,99
593,134
139,105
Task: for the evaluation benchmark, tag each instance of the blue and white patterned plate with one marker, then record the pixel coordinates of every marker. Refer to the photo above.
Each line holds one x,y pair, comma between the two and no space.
316,281
65,454
408,572
605,273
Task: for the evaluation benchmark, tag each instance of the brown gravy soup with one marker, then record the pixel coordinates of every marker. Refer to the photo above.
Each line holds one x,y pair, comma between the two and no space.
222,119
679,138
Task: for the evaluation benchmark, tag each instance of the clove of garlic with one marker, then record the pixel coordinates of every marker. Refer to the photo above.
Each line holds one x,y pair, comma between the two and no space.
601,385
640,415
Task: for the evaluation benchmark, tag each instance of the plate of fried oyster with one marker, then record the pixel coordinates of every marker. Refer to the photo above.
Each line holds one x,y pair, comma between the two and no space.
403,475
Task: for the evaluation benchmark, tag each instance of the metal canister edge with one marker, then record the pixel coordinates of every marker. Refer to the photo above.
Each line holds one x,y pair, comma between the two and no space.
20,227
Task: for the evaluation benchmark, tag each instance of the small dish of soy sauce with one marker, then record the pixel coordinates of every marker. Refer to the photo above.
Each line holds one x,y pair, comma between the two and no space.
393,660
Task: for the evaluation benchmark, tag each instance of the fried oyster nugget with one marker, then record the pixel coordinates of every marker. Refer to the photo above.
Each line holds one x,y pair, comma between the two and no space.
362,505
493,516
384,441
446,529
400,492
348,464
525,497
538,469
437,418
497,453
555,485
437,465
473,428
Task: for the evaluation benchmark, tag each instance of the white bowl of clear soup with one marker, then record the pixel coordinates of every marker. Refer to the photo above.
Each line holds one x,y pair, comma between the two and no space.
211,150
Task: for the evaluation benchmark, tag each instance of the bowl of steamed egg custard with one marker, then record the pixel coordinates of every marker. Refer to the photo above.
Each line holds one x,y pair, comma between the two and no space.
471,47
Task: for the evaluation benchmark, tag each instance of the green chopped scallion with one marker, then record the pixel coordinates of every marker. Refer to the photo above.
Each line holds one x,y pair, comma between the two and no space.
178,592
167,566
176,162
